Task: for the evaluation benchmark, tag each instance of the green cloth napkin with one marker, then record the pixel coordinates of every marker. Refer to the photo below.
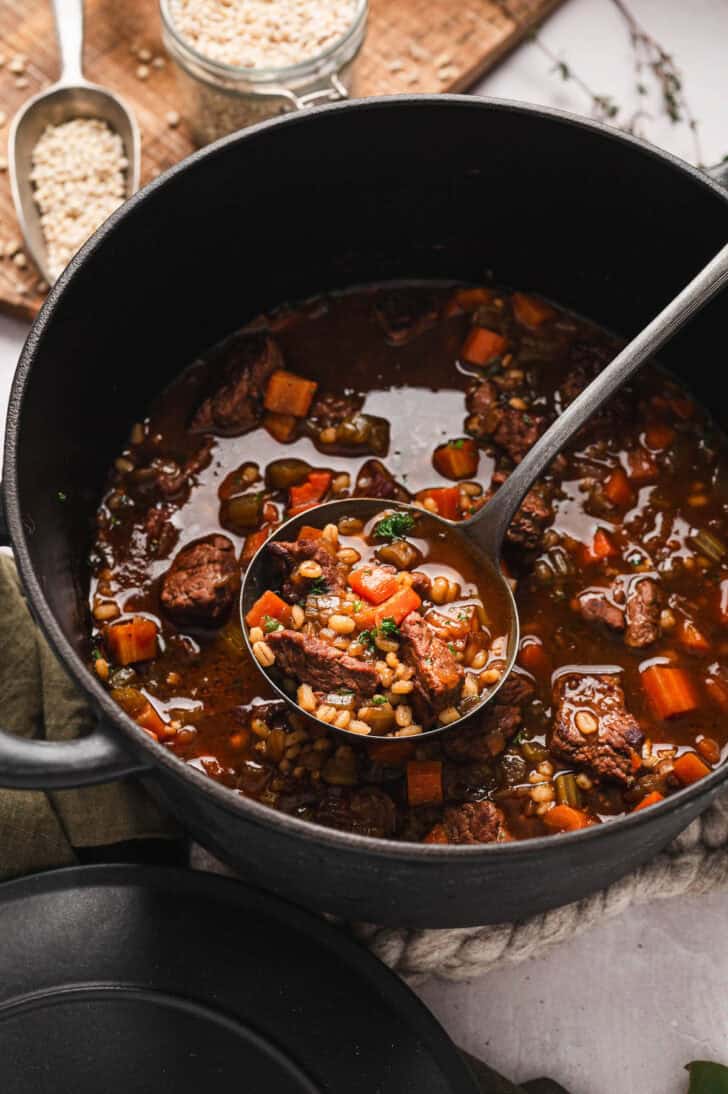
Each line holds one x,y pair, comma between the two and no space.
37,699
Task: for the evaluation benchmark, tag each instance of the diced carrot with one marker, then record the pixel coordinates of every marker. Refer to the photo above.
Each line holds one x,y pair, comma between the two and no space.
708,748
309,493
618,490
447,500
253,542
601,547
288,393
649,799
391,753
404,601
374,583
457,459
482,345
281,426
690,638
659,436
438,834
424,782
688,768
531,311
642,467
533,657
564,818
635,761
149,719
133,640
307,531
470,300
269,604
670,690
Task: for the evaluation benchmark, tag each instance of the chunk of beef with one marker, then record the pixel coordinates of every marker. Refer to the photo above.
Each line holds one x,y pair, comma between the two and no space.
366,812
475,822
375,481
331,410
597,605
632,606
161,533
289,557
513,430
173,480
200,584
236,405
532,518
438,676
467,781
592,727
499,722
587,360
405,315
644,604
312,661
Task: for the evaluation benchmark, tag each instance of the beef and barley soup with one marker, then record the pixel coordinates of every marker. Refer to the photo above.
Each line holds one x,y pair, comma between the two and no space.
428,393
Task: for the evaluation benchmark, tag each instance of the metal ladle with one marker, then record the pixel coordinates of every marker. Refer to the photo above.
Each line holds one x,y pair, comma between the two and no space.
70,97
482,536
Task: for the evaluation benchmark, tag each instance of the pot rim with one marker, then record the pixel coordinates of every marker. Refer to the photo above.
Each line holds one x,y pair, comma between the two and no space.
141,744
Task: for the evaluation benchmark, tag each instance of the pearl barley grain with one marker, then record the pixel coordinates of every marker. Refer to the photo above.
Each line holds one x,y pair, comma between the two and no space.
259,33
78,178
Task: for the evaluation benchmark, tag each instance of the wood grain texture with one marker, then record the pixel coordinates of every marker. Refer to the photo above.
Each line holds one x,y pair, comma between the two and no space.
414,46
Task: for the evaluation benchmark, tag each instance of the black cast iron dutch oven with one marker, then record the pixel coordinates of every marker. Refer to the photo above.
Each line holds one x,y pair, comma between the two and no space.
403,187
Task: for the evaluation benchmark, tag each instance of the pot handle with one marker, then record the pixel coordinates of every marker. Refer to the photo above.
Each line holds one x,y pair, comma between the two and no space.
28,764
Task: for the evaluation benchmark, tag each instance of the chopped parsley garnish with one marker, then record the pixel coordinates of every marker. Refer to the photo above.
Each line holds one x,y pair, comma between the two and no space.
270,624
367,637
96,653
527,419
357,606
635,559
61,496
388,627
395,526
458,443
451,648
378,700
318,587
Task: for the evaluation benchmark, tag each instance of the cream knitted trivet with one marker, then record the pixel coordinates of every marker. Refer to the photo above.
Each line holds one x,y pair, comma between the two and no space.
696,862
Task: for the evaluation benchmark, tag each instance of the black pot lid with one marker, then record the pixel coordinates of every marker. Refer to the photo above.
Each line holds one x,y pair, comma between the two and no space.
136,979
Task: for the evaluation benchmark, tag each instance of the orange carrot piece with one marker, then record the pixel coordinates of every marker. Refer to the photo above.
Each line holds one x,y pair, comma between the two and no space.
281,426
307,531
447,500
533,657
149,719
648,800
670,690
133,640
601,547
424,782
617,489
374,583
564,818
530,311
482,345
642,467
659,436
309,493
404,601
438,834
692,639
688,768
391,753
288,393
271,605
471,299
253,542
457,459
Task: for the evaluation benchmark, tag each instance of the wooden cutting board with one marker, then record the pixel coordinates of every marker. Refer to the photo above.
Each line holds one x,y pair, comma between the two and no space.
411,46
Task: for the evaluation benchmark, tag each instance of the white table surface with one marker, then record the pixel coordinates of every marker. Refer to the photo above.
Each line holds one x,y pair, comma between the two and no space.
623,1008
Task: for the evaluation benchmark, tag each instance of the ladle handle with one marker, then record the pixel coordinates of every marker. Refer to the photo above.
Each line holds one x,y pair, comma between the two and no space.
69,31
490,524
